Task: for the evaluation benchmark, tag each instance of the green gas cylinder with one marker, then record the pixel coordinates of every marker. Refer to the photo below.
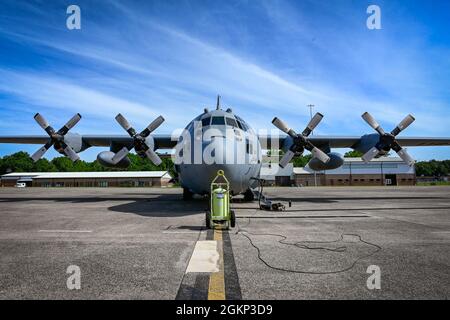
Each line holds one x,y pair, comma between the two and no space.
220,204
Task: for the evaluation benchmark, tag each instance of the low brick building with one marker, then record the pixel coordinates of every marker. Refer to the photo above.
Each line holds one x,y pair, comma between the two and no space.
354,172
89,179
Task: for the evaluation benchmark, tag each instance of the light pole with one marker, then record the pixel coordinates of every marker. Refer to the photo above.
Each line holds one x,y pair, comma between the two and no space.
311,106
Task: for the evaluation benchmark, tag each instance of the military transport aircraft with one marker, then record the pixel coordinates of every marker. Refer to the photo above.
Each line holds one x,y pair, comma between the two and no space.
219,139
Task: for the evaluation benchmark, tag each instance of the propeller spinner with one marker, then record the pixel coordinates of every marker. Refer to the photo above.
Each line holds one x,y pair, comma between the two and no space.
387,141
139,140
56,137
301,141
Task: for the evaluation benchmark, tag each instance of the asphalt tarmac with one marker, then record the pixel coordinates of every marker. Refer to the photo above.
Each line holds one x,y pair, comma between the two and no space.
131,243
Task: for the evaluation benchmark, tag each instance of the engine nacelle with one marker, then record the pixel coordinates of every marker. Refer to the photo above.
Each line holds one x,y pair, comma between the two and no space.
336,161
367,142
105,159
73,140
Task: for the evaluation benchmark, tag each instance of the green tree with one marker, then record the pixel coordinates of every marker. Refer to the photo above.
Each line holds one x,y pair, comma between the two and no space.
43,165
433,168
63,164
17,162
301,161
353,154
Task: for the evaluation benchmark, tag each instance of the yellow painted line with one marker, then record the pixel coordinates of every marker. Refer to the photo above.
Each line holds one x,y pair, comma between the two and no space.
216,290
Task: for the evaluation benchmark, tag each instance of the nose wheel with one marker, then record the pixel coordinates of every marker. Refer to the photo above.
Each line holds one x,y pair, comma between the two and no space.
187,195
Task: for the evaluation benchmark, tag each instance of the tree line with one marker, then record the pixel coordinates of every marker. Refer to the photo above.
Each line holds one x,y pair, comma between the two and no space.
21,162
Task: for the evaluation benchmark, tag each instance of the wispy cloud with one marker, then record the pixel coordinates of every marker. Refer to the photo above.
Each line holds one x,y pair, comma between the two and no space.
265,59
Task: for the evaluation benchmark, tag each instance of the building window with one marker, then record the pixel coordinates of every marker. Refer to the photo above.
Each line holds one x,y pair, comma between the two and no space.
103,184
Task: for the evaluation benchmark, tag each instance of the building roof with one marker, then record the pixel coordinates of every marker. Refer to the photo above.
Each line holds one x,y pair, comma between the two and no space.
387,165
380,159
21,174
302,170
89,175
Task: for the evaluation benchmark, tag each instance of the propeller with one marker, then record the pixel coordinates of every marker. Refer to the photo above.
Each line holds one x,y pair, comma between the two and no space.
387,141
56,137
301,141
139,140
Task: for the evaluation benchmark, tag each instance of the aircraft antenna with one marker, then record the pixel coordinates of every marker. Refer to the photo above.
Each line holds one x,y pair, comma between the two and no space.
218,102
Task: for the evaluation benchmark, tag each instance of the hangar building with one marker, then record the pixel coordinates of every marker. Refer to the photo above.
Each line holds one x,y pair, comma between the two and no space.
88,179
354,172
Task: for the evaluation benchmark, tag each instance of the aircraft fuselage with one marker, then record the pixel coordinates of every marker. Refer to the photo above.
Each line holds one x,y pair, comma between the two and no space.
218,140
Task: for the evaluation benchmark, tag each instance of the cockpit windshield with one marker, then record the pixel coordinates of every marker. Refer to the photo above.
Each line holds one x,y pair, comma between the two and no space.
218,121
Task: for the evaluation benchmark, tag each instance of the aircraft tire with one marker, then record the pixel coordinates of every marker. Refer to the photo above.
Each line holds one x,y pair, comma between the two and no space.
187,195
248,195
208,220
232,219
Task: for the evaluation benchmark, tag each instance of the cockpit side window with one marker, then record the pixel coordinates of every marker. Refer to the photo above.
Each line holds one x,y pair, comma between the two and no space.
241,123
218,121
231,122
206,121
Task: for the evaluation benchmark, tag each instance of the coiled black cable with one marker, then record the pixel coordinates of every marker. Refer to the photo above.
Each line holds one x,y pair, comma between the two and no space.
302,246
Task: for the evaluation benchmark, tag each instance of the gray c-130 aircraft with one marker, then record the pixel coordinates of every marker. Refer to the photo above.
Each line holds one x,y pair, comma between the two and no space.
195,176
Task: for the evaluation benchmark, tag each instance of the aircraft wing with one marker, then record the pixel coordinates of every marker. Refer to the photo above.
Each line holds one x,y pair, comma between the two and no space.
268,142
161,141
327,142
416,142
351,142
165,141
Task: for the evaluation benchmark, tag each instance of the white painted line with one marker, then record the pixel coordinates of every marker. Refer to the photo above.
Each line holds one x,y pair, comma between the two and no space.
196,232
205,257
68,231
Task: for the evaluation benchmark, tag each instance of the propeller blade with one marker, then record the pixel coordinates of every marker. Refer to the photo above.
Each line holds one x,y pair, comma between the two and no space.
125,124
369,155
38,154
120,155
282,126
152,126
312,124
286,158
70,124
372,122
153,157
404,155
319,154
68,151
403,124
41,121
44,123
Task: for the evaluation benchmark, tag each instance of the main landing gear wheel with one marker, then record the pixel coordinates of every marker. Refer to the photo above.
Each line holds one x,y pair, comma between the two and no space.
232,219
208,219
187,195
249,195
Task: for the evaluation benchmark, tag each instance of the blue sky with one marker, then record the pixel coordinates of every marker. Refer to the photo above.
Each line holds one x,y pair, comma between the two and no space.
266,59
